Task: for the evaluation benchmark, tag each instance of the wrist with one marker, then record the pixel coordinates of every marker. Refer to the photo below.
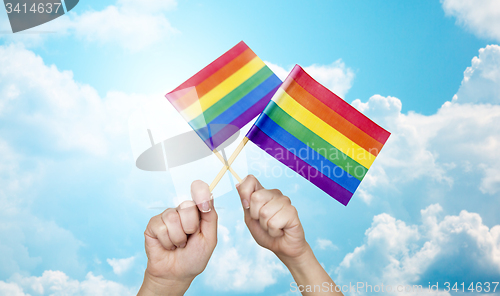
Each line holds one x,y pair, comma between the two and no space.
301,261
153,285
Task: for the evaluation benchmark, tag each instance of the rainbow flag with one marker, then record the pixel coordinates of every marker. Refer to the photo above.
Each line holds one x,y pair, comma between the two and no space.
318,135
225,95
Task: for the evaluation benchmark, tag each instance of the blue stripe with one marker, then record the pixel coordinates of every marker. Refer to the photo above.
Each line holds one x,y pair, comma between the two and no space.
248,100
237,109
312,158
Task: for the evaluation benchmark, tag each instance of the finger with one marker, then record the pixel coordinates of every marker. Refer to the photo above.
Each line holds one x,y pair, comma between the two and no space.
281,220
200,192
259,198
174,228
189,216
249,185
201,195
271,208
156,229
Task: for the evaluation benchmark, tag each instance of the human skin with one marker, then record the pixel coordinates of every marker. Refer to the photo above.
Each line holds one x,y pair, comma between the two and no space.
275,225
179,243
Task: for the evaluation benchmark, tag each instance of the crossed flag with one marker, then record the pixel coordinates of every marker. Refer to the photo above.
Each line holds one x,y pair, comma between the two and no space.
301,123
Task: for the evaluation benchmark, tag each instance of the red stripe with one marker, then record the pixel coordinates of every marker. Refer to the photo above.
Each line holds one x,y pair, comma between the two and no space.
338,105
214,66
331,117
211,82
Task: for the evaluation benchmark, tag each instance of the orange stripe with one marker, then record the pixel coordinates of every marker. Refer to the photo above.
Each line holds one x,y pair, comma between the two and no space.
332,118
215,79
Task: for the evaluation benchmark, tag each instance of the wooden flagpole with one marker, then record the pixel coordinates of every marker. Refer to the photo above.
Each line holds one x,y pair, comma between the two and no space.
229,163
224,163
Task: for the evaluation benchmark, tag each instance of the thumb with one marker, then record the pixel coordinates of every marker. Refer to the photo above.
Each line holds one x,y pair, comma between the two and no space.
201,195
249,185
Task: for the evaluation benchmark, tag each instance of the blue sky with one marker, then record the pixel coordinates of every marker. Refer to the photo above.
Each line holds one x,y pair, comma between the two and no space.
73,207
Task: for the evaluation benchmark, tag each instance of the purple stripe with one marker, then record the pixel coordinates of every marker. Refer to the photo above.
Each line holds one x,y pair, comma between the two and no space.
235,125
314,176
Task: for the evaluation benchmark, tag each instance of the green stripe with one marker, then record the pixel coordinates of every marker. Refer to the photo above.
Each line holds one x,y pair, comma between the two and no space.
314,141
231,98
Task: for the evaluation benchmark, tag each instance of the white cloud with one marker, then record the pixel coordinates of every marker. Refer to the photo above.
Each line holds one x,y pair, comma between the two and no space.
481,18
10,289
46,114
121,266
395,253
240,265
131,24
405,156
336,76
481,83
26,241
57,283
281,72
460,139
324,244
134,24
66,115
365,195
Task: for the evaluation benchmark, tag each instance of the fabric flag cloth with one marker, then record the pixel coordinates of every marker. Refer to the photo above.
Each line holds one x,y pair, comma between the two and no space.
225,95
318,135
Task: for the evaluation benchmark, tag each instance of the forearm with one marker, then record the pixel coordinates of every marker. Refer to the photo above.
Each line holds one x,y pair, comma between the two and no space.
154,286
309,275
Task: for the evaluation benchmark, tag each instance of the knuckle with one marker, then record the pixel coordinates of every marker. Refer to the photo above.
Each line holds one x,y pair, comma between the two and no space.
187,204
265,213
171,217
276,192
258,196
286,199
263,225
251,178
190,228
149,227
254,214
272,224
244,192
162,229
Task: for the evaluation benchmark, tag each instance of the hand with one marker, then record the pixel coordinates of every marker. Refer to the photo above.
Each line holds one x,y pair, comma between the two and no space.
179,243
274,223
272,220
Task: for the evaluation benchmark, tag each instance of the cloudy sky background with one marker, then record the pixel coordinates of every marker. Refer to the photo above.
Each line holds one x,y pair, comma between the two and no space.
73,207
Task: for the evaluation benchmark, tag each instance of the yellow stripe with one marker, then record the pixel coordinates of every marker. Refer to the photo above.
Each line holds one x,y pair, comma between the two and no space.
224,88
322,129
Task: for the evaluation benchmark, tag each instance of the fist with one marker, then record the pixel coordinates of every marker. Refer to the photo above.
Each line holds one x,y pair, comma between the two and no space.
272,220
180,241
